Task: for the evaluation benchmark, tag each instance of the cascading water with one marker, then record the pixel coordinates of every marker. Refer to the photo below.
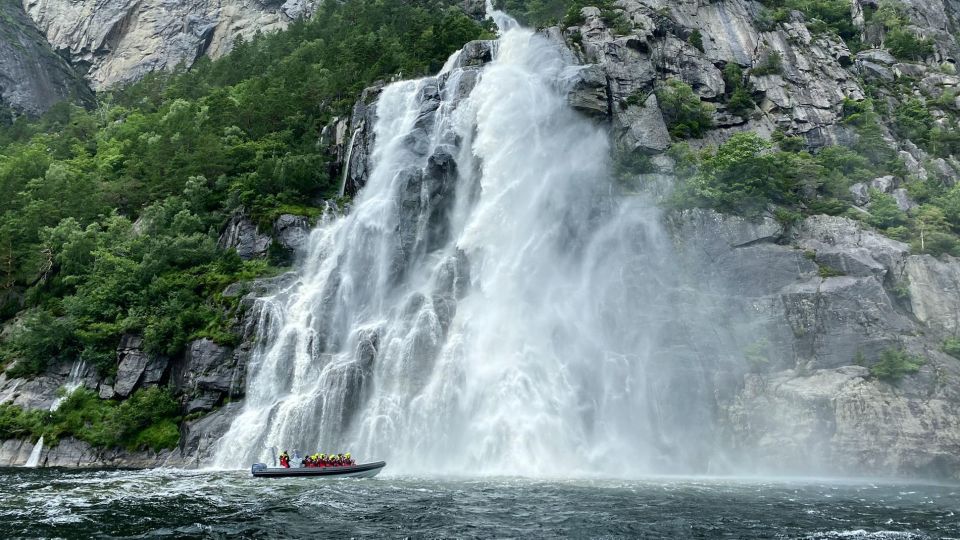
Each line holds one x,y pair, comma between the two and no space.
34,459
488,306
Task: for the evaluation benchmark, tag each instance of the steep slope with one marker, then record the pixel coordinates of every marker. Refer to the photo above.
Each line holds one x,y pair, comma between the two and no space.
32,77
121,41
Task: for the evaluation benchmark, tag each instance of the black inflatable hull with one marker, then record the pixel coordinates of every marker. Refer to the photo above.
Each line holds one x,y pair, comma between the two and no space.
362,470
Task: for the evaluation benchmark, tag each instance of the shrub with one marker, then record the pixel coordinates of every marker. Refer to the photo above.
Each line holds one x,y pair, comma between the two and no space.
686,116
952,347
884,211
905,45
696,39
894,364
771,64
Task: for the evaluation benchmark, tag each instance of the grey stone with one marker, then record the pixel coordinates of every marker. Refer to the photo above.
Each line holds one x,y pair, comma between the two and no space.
934,287
291,231
589,94
904,202
136,367
124,40
877,56
884,184
261,287
32,76
241,234
860,193
641,127
875,71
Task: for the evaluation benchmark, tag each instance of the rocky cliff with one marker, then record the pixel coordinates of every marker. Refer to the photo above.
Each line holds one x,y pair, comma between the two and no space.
810,400
117,42
814,304
32,76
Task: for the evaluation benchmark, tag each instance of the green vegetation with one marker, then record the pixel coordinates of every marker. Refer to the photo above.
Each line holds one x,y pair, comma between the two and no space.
894,364
110,217
900,40
148,419
686,116
739,100
771,64
541,13
696,39
951,346
828,271
822,16
757,354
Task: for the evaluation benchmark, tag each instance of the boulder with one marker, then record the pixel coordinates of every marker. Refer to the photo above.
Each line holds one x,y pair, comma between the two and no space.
589,94
291,231
241,234
904,202
136,367
641,127
860,194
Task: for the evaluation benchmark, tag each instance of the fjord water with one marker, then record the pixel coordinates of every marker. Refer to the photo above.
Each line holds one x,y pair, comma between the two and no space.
201,504
488,306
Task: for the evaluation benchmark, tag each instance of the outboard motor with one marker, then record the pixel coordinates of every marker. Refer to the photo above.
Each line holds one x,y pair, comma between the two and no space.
258,467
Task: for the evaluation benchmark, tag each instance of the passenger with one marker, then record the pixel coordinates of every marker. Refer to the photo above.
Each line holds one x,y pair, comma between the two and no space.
347,459
322,460
285,460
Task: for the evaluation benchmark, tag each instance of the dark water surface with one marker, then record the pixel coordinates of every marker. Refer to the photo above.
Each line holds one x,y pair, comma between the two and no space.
192,504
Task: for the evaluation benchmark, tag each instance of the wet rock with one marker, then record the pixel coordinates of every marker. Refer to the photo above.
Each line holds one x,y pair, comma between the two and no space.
199,437
136,367
291,231
589,95
475,54
641,127
208,374
261,287
241,234
841,421
15,452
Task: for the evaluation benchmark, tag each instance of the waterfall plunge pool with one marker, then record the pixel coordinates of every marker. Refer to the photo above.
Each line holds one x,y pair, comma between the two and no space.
191,504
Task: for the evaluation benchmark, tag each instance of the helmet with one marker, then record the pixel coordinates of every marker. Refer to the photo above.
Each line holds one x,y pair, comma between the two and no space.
347,455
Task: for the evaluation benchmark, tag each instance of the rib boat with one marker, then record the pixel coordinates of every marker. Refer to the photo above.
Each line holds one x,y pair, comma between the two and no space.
360,470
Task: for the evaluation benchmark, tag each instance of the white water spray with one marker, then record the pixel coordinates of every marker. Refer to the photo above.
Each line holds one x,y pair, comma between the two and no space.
487,307
74,380
34,458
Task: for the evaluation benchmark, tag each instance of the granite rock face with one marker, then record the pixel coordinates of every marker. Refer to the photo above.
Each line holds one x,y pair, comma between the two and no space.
120,41
32,77
807,401
243,235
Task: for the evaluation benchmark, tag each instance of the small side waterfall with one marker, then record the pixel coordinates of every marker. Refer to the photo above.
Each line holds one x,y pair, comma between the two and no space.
74,380
487,307
34,458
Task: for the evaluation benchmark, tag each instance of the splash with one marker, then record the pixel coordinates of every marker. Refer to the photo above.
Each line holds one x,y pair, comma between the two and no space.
487,307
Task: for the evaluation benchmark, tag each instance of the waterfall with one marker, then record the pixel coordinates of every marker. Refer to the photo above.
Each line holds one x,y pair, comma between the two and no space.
34,458
74,381
488,307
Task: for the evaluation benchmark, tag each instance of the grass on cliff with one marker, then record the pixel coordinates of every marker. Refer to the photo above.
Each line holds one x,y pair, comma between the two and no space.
110,217
895,364
147,420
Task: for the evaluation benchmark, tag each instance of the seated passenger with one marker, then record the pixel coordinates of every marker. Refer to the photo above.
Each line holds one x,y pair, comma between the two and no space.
347,460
